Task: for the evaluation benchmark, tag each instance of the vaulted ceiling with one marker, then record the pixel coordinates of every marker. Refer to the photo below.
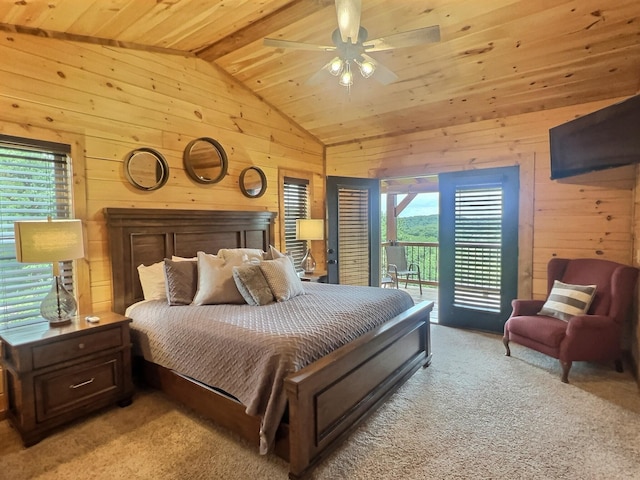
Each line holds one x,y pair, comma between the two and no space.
495,58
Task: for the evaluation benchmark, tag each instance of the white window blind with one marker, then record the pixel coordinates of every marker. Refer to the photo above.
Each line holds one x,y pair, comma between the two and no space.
353,234
296,205
35,182
478,247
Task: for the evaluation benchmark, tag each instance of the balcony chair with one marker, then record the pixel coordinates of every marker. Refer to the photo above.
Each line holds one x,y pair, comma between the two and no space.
557,326
397,265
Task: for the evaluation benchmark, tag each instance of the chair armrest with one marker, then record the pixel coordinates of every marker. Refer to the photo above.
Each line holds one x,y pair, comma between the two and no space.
523,307
591,337
593,322
392,267
414,265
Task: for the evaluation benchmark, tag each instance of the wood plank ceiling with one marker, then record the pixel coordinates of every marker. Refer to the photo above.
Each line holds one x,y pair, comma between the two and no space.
495,58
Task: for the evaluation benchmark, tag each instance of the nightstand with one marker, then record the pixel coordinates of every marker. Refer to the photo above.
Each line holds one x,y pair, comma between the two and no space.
57,374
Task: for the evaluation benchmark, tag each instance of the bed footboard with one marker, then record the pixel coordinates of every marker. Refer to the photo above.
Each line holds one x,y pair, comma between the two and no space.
329,398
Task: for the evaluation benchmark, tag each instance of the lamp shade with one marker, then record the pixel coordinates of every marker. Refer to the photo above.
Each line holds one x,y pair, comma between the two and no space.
309,229
46,241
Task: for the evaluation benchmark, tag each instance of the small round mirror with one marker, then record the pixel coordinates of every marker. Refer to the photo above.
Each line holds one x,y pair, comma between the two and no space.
205,160
253,182
146,169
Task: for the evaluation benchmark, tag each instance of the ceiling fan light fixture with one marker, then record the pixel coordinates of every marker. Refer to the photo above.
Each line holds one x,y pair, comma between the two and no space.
335,66
346,78
366,68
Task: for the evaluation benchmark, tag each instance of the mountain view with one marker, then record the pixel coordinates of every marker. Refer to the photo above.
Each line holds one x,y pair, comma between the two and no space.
419,228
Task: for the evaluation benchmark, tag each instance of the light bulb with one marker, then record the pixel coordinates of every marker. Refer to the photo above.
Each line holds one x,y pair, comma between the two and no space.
346,79
367,68
335,67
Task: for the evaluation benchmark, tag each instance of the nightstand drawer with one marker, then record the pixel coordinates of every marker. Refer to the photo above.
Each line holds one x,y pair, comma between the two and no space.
68,349
63,390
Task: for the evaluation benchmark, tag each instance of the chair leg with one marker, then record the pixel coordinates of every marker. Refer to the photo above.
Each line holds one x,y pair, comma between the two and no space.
505,342
566,366
619,365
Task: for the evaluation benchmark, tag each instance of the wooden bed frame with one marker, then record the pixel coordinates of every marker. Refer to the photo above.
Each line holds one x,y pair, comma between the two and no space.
327,399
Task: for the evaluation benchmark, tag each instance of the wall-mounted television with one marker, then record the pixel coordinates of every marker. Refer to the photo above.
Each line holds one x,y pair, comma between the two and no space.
607,138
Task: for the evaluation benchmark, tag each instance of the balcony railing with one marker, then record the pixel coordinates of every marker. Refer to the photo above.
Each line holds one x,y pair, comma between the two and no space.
424,254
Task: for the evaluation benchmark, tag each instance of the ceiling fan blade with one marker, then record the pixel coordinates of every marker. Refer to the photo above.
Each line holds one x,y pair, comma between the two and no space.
410,38
382,74
317,77
274,42
348,12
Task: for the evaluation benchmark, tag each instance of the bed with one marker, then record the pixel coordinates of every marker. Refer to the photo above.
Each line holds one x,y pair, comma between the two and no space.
325,399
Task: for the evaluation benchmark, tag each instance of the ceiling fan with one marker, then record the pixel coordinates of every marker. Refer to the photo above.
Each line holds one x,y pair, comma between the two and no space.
353,48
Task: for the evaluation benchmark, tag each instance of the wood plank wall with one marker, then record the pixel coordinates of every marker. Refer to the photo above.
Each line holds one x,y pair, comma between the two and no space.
117,100
586,216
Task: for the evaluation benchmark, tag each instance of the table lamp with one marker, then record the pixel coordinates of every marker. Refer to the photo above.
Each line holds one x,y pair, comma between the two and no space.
309,229
51,241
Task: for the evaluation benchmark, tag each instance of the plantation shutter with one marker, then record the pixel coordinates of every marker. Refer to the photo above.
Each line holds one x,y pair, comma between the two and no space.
478,247
296,205
35,182
353,236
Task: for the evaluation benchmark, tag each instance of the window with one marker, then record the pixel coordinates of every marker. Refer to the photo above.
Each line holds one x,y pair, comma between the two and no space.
35,182
296,205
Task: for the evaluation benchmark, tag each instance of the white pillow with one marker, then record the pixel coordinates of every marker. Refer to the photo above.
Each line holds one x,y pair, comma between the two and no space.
566,300
215,281
282,278
252,255
153,281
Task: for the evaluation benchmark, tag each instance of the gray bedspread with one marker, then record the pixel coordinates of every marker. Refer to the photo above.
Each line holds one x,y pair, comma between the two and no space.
247,351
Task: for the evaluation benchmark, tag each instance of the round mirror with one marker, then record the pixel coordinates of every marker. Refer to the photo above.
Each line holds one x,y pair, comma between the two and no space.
205,160
146,169
253,182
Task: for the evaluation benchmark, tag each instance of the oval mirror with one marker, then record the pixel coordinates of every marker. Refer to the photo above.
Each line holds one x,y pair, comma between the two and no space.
253,182
205,160
146,169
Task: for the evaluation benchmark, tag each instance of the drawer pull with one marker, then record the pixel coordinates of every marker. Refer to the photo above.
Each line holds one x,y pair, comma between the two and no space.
81,346
82,384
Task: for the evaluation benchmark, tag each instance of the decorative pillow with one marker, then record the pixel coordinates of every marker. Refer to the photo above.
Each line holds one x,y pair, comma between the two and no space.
152,281
252,285
239,255
282,278
215,281
181,281
566,301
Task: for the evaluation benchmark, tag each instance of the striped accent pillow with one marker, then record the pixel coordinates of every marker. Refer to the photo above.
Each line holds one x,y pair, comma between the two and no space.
566,301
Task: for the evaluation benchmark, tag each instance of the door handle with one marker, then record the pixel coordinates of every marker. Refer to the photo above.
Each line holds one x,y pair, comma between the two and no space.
330,250
332,262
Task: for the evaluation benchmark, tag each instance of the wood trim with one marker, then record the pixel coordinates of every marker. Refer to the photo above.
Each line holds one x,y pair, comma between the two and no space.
284,16
72,37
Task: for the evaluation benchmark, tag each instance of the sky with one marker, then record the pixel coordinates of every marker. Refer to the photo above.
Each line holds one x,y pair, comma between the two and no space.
423,204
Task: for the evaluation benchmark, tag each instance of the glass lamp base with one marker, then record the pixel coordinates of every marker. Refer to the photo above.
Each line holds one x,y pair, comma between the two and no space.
308,263
59,306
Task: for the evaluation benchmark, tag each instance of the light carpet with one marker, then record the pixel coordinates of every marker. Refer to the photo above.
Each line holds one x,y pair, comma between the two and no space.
474,413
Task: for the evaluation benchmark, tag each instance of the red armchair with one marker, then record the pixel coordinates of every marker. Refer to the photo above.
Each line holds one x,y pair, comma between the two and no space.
595,336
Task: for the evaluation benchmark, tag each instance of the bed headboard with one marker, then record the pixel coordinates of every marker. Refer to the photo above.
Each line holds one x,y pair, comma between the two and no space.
145,236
